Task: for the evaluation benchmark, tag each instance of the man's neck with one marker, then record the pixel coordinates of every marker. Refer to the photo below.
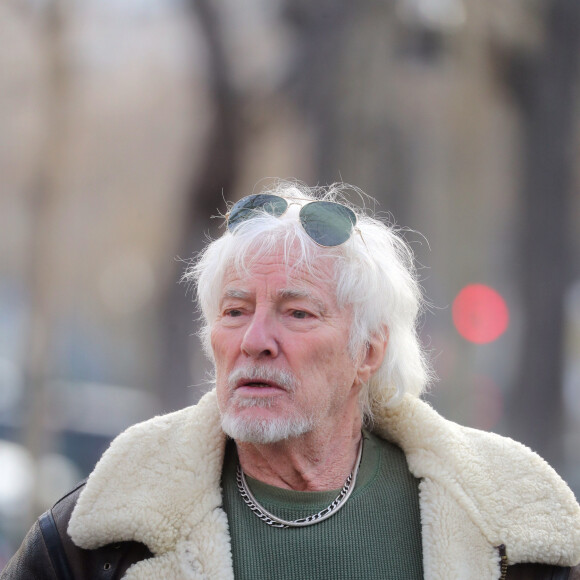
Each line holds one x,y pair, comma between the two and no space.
313,462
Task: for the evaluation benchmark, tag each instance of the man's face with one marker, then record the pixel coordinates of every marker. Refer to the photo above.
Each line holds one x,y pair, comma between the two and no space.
283,366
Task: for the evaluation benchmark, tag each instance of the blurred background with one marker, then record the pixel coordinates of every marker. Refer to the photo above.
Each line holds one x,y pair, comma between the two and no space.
125,125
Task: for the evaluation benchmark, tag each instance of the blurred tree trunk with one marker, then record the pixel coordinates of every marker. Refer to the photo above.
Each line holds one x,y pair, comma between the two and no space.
43,271
218,171
343,80
320,28
545,87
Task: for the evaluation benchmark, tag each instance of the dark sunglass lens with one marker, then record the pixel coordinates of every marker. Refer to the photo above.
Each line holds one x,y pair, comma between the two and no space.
248,207
327,223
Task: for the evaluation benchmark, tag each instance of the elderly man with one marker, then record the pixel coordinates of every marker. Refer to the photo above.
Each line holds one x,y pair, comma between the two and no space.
314,456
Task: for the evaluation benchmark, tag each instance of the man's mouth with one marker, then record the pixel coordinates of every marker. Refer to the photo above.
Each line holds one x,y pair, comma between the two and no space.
258,386
262,381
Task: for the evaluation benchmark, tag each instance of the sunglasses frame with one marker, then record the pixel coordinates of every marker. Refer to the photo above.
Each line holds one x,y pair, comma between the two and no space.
349,212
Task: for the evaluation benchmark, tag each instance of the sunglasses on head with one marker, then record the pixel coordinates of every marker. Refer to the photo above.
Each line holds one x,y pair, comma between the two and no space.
328,223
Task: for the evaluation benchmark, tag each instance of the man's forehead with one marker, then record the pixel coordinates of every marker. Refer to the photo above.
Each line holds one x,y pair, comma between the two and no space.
279,281
233,291
282,265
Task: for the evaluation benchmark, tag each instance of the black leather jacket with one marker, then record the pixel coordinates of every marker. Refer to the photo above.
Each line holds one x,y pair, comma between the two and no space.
48,553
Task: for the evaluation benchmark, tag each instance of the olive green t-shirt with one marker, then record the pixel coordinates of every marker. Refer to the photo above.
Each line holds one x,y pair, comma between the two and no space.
376,534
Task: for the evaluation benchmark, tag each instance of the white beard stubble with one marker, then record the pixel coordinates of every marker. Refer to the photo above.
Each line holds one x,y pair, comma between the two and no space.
263,431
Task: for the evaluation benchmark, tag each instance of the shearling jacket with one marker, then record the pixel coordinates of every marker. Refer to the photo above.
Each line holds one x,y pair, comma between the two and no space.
488,504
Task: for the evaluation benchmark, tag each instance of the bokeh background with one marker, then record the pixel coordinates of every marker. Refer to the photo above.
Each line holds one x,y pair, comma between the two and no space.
126,124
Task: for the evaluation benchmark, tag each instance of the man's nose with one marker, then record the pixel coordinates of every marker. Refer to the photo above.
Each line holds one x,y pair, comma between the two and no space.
260,338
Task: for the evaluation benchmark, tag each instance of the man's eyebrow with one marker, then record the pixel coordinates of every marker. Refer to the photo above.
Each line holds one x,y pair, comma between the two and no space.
289,293
300,294
236,293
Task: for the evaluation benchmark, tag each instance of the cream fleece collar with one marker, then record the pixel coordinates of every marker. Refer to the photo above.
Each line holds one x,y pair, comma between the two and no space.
159,483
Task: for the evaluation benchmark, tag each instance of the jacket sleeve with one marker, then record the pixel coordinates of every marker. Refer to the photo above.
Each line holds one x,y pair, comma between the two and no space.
48,553
31,561
42,554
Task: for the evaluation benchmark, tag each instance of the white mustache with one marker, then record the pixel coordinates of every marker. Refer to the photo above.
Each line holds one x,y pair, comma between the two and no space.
262,373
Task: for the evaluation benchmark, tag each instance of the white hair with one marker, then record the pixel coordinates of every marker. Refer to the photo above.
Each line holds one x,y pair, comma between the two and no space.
374,274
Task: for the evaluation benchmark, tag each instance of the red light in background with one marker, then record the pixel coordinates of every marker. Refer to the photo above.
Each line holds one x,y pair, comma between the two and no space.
480,314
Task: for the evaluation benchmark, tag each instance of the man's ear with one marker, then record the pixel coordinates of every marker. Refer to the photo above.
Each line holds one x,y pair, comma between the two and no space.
372,357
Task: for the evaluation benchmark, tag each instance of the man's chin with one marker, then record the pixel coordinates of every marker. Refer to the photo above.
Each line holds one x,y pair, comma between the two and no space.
263,431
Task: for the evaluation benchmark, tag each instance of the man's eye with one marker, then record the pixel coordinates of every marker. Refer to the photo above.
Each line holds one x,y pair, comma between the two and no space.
233,312
299,314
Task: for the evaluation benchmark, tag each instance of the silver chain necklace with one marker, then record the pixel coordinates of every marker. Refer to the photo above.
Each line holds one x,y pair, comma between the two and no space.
322,515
